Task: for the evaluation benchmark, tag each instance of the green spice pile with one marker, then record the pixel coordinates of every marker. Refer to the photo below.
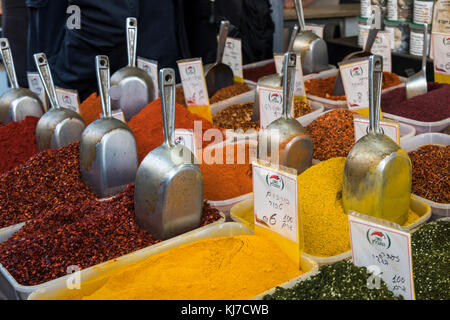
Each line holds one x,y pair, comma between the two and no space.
431,261
339,281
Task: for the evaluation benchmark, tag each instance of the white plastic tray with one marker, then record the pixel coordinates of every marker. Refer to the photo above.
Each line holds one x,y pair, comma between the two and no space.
12,290
333,104
421,126
57,288
414,143
417,205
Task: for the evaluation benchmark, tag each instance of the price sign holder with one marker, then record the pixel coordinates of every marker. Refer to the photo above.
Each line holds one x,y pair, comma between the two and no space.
382,47
185,137
317,29
384,247
194,87
68,99
299,86
441,54
390,128
276,207
355,77
232,56
151,67
270,104
35,85
116,114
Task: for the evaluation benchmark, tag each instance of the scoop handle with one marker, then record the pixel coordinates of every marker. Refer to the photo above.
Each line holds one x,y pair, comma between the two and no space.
223,34
375,83
8,61
293,36
289,65
46,77
300,15
103,80
425,47
167,94
132,41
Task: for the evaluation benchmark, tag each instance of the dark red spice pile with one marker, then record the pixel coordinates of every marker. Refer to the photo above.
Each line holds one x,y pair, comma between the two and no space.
431,173
50,179
430,107
254,74
17,143
333,134
83,235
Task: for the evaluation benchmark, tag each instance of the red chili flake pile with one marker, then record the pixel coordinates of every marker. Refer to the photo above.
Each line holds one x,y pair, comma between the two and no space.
429,107
254,74
431,173
50,179
228,92
83,235
333,134
17,143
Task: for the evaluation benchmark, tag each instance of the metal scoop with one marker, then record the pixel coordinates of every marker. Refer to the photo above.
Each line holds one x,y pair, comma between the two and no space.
377,175
136,86
273,80
16,103
416,85
58,127
169,186
218,75
108,150
312,48
296,147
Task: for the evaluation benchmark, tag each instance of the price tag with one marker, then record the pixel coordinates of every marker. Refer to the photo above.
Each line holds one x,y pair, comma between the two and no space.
68,99
275,201
232,56
391,128
382,47
185,137
35,85
151,67
355,77
385,249
116,114
441,46
270,104
316,29
299,86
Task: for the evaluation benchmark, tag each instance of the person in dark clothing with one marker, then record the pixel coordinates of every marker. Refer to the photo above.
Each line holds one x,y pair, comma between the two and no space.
14,25
71,52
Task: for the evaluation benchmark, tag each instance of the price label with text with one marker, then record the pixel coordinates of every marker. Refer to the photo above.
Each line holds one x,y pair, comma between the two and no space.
316,29
35,85
356,82
151,67
441,47
232,56
390,128
299,86
270,104
68,99
385,249
193,81
116,114
185,137
382,47
275,201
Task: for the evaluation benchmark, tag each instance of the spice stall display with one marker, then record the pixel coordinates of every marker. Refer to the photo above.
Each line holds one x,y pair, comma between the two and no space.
82,234
17,143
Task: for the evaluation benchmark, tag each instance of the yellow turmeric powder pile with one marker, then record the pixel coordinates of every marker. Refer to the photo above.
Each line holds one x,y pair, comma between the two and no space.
325,224
239,267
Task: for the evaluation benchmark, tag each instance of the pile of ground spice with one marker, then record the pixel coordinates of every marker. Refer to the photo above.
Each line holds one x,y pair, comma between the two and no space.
50,179
429,107
431,173
147,126
323,87
84,234
17,143
255,73
333,134
91,108
229,92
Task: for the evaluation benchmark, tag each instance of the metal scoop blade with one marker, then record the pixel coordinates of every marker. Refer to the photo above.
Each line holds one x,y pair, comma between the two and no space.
16,103
58,127
108,150
416,85
136,86
377,174
169,186
219,75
